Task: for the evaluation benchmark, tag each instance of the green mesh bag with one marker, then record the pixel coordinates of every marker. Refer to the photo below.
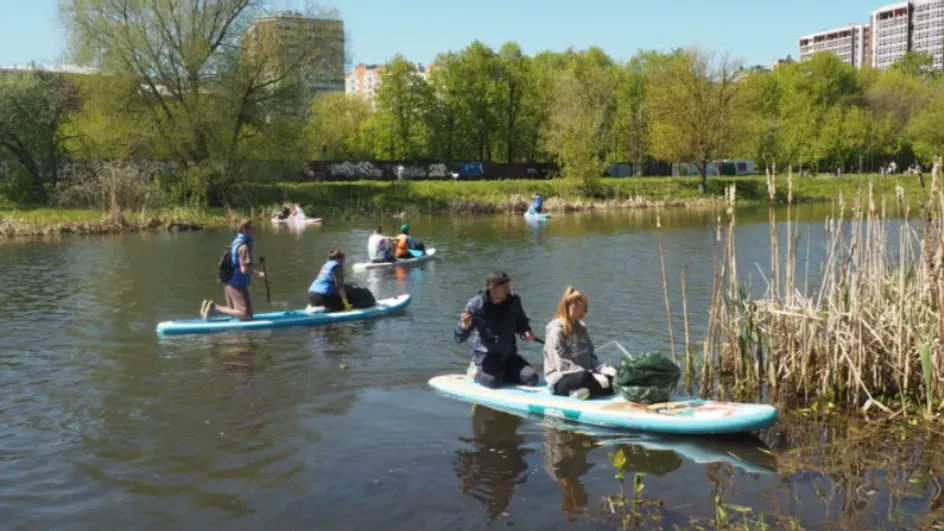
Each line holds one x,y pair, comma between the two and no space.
647,378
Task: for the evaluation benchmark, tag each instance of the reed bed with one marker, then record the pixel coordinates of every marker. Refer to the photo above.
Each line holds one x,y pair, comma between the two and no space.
869,335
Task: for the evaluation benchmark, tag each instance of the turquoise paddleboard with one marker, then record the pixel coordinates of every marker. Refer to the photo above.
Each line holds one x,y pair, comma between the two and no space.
686,417
537,217
282,319
401,262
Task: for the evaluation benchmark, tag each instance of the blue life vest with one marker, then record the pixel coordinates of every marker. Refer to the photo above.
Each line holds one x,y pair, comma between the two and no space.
324,282
240,279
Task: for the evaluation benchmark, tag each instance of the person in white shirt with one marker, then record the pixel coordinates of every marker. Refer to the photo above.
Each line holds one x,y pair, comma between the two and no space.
298,213
380,247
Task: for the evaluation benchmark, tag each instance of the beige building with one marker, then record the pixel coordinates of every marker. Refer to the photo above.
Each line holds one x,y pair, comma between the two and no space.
314,45
364,79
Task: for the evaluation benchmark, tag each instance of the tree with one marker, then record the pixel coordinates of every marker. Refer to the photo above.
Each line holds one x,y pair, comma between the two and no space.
515,89
33,106
581,125
210,83
337,129
696,111
914,64
925,127
404,102
631,130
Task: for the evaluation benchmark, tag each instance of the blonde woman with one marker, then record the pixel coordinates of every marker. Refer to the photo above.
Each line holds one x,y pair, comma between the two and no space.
570,366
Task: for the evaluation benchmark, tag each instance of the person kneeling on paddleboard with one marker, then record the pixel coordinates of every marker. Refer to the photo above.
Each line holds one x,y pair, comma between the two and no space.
537,204
328,287
495,316
570,366
239,273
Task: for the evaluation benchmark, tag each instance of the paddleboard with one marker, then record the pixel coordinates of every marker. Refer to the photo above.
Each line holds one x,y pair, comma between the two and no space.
537,217
282,319
685,417
363,266
297,221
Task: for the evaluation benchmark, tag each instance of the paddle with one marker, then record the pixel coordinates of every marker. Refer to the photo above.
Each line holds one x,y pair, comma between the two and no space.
265,278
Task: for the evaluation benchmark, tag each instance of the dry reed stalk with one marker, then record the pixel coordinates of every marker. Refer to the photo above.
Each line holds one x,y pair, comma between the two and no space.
668,307
853,339
689,360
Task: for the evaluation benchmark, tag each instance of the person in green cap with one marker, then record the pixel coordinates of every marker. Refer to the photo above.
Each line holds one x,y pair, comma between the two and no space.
406,243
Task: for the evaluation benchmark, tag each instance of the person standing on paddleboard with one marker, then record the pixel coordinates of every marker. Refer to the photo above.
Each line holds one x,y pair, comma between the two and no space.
571,367
236,288
496,316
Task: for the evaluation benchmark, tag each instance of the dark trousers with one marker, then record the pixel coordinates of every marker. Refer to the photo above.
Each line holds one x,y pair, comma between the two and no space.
493,372
573,381
332,303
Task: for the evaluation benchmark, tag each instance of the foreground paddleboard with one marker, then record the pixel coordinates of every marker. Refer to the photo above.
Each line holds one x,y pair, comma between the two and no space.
363,266
687,417
282,319
537,217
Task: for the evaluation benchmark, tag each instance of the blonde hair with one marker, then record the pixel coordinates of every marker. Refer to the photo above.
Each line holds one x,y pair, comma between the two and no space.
571,296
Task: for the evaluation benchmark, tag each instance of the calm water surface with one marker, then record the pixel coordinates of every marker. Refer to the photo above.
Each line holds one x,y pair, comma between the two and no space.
106,426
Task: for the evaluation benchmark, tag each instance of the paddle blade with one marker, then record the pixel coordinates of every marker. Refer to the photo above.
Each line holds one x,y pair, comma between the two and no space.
415,253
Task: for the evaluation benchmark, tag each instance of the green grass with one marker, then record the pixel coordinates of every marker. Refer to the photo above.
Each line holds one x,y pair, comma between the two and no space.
443,196
352,199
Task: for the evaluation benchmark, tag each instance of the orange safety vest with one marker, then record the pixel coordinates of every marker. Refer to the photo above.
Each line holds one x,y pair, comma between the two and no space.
403,247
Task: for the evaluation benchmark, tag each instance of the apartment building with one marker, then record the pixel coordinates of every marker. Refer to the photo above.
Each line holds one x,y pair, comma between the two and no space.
850,43
891,33
318,43
364,79
927,30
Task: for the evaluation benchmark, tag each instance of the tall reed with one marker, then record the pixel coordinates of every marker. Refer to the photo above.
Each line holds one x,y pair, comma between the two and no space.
856,337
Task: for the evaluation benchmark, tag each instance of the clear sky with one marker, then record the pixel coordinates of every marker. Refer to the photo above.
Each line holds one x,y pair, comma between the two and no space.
758,31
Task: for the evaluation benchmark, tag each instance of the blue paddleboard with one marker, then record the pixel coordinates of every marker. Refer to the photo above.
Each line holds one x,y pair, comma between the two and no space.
281,319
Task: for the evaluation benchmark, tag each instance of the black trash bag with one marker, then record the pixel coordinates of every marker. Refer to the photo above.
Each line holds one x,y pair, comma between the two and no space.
359,297
647,378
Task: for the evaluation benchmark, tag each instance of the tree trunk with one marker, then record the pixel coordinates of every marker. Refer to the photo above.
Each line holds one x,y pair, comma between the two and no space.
703,175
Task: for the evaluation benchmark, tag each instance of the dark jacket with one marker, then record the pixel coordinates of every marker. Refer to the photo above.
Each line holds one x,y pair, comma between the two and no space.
495,326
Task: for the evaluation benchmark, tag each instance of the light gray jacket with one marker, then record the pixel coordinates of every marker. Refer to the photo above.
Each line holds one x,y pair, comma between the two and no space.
566,355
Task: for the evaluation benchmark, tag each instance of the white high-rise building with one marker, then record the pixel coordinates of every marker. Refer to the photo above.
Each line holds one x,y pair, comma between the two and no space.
893,30
891,33
850,43
927,30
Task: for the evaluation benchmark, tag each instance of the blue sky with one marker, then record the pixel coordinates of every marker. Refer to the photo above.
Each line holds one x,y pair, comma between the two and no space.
758,31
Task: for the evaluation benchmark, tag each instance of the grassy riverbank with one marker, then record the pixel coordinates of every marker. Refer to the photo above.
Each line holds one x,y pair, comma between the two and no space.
344,200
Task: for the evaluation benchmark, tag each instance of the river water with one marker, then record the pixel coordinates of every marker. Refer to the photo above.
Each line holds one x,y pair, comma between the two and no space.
106,426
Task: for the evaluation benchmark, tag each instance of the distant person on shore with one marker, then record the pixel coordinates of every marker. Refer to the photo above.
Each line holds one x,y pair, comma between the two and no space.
236,288
571,367
328,287
537,204
406,243
493,318
380,248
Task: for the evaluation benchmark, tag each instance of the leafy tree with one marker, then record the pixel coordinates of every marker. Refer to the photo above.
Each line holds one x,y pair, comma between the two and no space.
34,104
337,129
404,102
697,112
582,117
925,128
210,84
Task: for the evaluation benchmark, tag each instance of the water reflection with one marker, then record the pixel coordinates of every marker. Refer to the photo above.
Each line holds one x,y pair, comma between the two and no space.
495,466
565,460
